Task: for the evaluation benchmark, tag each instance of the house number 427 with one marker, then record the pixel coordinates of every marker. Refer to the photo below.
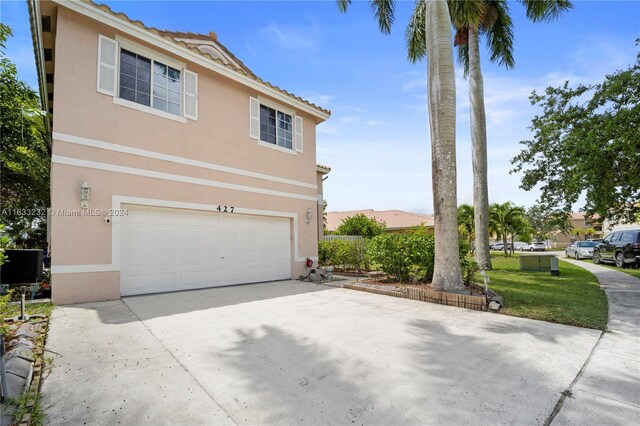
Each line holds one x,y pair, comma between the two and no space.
225,209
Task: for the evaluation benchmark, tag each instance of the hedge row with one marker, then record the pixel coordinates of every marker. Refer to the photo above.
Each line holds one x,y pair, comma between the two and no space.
404,257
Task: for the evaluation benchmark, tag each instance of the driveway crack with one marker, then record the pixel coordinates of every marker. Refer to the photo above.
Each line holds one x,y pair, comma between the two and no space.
180,363
569,390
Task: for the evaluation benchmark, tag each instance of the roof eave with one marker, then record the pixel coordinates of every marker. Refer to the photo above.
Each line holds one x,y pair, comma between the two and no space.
129,28
38,51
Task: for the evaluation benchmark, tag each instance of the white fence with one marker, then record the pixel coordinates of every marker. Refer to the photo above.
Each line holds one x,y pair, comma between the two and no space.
342,237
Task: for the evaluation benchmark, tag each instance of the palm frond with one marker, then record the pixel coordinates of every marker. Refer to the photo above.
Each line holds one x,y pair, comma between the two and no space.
384,11
414,34
466,13
545,10
343,5
500,35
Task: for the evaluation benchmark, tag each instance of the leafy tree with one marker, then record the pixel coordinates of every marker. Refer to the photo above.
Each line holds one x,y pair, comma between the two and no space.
4,242
472,19
361,225
441,101
506,219
545,223
24,157
466,223
587,141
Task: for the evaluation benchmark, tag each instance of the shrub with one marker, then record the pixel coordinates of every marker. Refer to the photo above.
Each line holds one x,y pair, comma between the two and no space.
4,242
405,257
342,253
469,268
361,225
409,257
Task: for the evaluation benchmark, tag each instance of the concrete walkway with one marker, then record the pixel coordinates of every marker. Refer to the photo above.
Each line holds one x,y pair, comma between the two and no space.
607,391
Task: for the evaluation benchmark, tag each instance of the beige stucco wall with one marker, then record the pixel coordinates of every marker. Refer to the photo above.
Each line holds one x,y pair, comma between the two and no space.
220,136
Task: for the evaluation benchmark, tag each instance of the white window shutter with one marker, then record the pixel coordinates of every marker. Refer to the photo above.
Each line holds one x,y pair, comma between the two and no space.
299,138
190,94
107,65
254,118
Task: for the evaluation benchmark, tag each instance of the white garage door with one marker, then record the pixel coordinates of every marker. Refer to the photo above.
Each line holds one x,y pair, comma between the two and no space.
175,249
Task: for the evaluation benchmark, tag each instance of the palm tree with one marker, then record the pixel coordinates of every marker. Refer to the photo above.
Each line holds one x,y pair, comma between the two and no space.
505,219
577,232
465,223
441,89
471,17
521,227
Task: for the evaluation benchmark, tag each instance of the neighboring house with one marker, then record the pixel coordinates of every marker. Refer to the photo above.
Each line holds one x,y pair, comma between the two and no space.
610,227
396,220
198,173
578,221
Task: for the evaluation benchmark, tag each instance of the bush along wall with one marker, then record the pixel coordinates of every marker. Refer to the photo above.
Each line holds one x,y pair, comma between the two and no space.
406,257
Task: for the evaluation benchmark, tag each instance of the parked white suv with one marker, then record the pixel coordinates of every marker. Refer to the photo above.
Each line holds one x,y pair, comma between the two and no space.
538,246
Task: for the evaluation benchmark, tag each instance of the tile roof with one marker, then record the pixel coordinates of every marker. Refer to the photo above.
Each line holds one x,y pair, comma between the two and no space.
175,35
395,219
323,168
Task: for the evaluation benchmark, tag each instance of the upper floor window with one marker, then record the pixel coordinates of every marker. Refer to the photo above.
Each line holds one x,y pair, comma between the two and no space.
275,126
145,80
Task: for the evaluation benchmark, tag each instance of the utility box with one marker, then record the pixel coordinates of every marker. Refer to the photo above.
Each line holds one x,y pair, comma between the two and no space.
537,262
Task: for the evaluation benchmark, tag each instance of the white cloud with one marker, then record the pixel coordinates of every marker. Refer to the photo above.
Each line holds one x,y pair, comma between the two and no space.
293,37
322,100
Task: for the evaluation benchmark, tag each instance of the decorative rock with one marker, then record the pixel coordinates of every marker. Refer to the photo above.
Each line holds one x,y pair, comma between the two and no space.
498,299
494,306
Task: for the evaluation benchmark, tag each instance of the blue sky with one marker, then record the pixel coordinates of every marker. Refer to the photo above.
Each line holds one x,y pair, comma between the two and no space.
377,139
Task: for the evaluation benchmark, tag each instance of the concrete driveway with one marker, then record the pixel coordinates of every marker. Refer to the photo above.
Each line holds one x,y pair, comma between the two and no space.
297,353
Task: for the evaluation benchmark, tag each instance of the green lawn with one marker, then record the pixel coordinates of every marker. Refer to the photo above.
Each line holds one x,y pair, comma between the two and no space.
10,311
574,298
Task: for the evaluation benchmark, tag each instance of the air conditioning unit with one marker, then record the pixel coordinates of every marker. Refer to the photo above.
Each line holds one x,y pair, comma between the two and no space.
21,267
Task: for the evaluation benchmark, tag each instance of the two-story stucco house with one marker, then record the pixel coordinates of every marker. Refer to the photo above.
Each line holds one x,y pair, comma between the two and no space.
173,165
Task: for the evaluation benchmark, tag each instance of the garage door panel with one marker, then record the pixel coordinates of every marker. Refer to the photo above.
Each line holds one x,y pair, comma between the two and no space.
173,249
164,217
149,282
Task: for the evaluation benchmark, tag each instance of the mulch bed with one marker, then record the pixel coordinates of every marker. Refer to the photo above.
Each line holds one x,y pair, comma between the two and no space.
475,289
475,298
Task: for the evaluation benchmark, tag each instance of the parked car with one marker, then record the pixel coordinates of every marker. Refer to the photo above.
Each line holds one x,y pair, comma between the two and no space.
596,240
621,247
518,245
537,246
499,247
581,250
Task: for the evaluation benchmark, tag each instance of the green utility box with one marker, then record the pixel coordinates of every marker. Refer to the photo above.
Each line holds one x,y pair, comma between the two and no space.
538,262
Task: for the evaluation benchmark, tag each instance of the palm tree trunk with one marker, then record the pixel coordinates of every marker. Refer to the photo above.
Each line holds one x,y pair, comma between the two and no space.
441,88
479,153
504,242
513,249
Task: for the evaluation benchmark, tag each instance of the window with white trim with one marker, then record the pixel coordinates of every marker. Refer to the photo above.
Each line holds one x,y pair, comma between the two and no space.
276,127
145,79
271,125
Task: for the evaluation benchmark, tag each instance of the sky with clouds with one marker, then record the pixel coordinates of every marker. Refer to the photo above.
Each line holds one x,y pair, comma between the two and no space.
377,139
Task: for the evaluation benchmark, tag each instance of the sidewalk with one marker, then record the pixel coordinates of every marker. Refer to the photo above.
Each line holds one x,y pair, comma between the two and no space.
607,392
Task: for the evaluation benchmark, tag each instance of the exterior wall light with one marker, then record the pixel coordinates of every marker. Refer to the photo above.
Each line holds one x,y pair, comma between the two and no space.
85,191
309,215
